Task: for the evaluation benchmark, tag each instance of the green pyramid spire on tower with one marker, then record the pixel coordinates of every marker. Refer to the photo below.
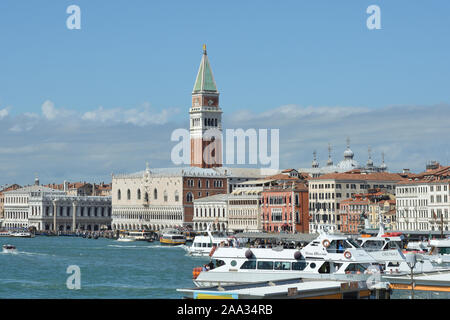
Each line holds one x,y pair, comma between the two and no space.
205,79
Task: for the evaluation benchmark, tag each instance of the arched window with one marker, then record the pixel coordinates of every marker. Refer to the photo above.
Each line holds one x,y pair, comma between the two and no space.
128,194
189,197
139,194
118,194
165,196
155,194
146,197
177,197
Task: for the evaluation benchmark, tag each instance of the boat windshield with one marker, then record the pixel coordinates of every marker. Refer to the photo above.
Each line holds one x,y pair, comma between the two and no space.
373,244
339,246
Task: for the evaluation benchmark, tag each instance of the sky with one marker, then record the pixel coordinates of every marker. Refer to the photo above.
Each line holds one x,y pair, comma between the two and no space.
81,104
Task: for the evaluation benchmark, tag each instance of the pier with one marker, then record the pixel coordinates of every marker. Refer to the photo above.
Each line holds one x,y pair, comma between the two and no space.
298,288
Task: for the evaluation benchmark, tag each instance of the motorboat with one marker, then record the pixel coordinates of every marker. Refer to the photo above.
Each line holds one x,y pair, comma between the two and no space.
439,253
329,256
22,234
125,237
9,248
172,237
141,235
389,251
203,245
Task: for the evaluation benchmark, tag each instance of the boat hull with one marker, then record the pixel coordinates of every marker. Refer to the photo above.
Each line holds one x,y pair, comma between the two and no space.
172,242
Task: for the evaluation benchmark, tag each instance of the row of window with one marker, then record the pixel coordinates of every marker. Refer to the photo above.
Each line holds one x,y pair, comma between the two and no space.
216,183
350,186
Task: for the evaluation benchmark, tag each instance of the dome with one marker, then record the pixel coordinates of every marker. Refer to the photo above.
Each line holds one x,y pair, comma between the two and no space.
370,163
329,162
348,153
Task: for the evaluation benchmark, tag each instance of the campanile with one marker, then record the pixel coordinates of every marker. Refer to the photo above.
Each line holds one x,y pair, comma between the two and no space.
205,119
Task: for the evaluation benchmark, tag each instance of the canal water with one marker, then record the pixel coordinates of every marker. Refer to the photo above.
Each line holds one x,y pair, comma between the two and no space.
108,269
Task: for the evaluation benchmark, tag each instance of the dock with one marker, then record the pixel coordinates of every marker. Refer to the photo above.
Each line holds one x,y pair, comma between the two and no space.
438,281
298,288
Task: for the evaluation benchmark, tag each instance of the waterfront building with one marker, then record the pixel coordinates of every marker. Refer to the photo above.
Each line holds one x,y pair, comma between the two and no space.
423,200
162,197
285,206
244,209
213,211
364,211
49,209
4,189
327,191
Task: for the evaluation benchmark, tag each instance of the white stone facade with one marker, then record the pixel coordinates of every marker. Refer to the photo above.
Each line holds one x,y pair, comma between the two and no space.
423,205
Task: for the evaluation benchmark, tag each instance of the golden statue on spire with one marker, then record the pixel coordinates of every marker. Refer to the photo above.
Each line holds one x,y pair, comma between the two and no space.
204,48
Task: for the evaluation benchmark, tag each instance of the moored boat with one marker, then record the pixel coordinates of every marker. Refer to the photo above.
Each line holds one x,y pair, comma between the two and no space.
327,257
172,237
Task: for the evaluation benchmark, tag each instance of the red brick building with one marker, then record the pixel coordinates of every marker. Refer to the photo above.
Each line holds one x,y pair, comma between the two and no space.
285,204
352,212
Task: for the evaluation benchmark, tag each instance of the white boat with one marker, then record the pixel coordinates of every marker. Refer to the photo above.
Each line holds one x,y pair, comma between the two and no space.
140,235
5,233
203,245
387,249
22,234
327,257
439,253
125,237
9,248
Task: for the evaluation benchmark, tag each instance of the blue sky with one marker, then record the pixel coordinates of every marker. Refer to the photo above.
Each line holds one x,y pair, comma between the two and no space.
141,58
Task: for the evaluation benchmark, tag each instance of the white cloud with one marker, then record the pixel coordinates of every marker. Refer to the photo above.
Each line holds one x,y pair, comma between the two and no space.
3,113
140,116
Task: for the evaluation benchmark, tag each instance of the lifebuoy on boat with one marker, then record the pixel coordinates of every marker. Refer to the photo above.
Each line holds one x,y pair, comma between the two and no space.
347,254
326,243
196,272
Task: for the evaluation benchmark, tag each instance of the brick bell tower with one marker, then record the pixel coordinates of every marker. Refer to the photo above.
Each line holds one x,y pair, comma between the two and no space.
205,117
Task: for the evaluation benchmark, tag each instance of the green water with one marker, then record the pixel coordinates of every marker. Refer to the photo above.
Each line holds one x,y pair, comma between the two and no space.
108,269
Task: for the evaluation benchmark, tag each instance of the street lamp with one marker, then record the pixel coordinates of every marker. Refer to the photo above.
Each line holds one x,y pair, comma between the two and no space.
411,260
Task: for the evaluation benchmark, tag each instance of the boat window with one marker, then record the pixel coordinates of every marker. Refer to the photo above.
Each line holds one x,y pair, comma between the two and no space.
233,263
218,262
249,264
299,265
392,264
394,245
444,250
312,265
325,268
282,265
355,267
265,265
336,266
336,246
373,244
